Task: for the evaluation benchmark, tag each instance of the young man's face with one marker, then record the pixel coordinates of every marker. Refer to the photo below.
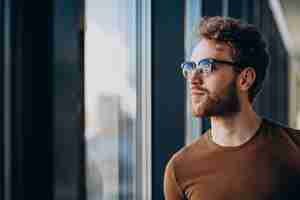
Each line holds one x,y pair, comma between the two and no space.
214,94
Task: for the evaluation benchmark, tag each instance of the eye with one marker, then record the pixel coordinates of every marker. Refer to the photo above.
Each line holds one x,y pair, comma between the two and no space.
204,66
187,67
207,68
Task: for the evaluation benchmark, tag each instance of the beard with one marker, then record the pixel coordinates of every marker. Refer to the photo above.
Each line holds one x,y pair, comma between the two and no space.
209,104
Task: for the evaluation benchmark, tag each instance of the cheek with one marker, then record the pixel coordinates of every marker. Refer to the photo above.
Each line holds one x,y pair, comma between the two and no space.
216,85
214,88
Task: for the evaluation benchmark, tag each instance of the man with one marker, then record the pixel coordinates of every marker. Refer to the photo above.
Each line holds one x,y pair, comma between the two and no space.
243,156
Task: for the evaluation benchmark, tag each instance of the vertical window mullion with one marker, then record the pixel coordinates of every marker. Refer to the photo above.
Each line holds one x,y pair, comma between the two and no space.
68,136
226,8
193,8
6,96
143,146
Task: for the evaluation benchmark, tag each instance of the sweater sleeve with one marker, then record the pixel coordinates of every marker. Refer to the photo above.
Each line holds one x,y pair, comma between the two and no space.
172,190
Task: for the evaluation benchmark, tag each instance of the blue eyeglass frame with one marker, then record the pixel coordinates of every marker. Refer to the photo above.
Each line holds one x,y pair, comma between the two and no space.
210,62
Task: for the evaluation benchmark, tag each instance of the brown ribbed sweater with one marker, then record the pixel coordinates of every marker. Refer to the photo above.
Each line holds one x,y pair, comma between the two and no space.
267,167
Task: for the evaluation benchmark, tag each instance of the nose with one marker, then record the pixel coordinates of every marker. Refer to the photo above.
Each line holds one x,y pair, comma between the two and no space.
195,78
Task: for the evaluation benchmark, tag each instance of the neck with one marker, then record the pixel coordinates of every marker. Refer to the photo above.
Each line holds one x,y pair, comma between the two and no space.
235,130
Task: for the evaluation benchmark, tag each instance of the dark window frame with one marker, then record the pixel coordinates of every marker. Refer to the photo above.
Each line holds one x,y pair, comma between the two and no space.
33,121
25,99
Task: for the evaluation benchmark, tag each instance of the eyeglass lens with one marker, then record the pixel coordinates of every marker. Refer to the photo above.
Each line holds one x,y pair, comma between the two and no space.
203,66
187,68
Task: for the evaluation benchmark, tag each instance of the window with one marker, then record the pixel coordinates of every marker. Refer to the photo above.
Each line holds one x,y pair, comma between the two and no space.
117,95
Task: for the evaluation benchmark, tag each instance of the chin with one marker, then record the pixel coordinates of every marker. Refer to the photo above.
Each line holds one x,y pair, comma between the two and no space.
200,112
201,108
199,115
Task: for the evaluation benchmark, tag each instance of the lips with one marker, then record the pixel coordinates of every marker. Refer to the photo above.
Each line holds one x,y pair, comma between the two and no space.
197,92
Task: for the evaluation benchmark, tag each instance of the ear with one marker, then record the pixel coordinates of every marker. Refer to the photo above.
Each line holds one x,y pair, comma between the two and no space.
246,78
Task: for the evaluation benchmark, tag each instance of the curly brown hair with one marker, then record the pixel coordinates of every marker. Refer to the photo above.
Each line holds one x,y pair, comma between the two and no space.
249,47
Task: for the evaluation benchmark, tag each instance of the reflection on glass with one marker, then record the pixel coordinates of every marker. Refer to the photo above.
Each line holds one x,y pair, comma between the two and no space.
110,99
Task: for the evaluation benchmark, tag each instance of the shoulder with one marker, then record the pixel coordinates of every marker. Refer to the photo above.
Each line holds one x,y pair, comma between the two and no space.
292,133
179,166
189,155
188,152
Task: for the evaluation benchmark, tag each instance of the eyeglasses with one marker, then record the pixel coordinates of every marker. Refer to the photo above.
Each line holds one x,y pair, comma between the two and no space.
204,66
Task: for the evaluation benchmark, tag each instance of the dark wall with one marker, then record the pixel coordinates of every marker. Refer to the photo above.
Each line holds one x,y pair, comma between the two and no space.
273,101
168,98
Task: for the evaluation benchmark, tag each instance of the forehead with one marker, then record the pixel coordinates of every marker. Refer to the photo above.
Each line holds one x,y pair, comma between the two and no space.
211,49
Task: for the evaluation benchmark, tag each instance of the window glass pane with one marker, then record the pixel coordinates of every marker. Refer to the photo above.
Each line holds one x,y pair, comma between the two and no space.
111,99
193,13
